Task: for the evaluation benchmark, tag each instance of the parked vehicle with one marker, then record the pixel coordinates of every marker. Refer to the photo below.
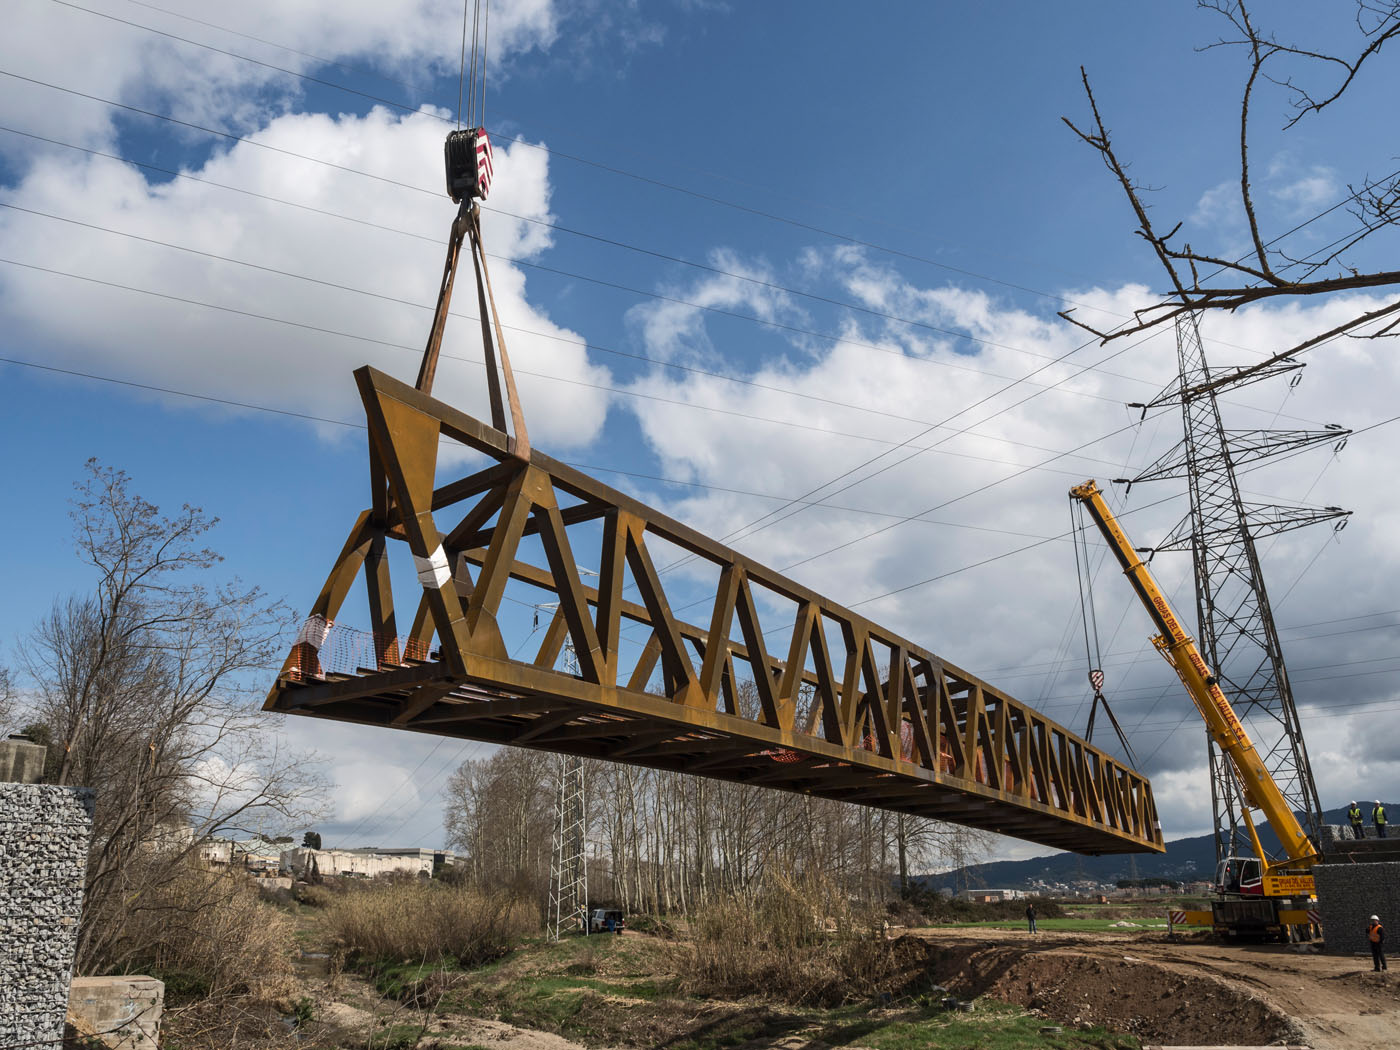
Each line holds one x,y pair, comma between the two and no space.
606,920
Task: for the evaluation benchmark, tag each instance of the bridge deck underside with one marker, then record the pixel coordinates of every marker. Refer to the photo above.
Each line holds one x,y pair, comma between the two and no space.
479,711
839,707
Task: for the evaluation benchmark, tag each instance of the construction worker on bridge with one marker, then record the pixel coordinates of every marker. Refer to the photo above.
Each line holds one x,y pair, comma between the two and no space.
1354,815
1375,934
1378,815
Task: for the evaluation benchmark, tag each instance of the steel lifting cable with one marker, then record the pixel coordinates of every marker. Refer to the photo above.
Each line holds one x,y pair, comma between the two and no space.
474,76
462,71
476,50
1089,618
485,50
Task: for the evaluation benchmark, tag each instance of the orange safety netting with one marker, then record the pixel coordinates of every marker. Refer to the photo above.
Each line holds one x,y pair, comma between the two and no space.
324,647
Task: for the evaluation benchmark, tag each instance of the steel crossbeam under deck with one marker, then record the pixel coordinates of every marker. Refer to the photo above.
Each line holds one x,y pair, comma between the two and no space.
823,702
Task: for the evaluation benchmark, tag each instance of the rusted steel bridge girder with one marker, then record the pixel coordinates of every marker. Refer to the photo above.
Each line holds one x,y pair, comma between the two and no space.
831,705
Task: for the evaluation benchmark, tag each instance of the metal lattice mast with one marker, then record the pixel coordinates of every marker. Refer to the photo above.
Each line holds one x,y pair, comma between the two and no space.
568,874
1236,624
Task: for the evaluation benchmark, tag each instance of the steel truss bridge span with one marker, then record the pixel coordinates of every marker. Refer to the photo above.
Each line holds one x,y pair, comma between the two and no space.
824,702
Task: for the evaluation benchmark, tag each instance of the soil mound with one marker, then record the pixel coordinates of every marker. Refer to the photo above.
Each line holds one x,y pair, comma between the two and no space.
1127,995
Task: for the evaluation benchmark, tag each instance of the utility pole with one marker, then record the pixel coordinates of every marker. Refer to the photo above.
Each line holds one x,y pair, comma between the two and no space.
568,871
1236,624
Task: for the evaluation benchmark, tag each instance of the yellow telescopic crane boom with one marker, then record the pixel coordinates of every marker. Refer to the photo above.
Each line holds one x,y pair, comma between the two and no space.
1258,786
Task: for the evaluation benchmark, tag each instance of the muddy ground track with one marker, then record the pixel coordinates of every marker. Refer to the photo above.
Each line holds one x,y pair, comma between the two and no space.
1177,992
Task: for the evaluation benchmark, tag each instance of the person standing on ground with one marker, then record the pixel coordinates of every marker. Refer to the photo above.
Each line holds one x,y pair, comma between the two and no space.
1375,933
1354,815
1030,917
1378,815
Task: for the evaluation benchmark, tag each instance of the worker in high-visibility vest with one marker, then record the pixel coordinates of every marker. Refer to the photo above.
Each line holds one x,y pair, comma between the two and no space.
1375,934
1354,815
1378,815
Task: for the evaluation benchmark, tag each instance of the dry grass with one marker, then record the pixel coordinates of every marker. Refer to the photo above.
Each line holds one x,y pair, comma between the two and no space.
208,934
427,922
793,951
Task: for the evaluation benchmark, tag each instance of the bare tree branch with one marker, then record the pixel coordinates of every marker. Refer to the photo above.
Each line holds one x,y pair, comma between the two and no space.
141,682
1206,280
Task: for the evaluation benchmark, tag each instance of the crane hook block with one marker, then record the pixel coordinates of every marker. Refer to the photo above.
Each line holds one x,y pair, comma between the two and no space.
467,154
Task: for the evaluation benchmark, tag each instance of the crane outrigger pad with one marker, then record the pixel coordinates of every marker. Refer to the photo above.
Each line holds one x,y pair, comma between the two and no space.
840,707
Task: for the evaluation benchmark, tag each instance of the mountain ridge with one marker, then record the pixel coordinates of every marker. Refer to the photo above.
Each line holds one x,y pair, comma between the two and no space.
1185,860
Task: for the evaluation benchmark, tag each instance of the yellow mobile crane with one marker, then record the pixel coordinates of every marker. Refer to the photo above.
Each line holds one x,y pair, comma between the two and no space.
1253,894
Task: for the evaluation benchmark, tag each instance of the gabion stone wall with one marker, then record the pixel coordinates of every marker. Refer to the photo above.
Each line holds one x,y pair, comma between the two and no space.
1335,836
1348,895
44,834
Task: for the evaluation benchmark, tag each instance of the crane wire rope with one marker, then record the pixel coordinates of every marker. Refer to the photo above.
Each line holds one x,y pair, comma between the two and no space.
1089,617
462,69
1062,655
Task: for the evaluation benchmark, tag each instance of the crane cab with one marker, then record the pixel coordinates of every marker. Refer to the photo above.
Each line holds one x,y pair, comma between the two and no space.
1240,877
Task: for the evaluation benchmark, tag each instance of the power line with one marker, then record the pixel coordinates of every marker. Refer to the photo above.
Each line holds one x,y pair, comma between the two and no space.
543,268
412,109
384,800
904,459
673,365
251,406
779,326
408,108
623,391
1010,671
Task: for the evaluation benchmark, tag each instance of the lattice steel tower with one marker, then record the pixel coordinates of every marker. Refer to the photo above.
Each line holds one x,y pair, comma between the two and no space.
1236,625
568,869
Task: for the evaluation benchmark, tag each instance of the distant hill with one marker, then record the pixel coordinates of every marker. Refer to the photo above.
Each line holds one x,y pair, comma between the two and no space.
1185,860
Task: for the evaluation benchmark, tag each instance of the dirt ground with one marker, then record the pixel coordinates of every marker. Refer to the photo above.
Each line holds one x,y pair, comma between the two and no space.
1163,992
1188,992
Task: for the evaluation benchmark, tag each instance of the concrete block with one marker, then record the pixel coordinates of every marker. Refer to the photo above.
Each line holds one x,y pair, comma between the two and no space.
123,1012
1348,895
21,761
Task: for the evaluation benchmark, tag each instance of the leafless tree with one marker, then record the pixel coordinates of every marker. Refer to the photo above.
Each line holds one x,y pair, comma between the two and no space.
673,843
1310,81
500,813
7,699
145,684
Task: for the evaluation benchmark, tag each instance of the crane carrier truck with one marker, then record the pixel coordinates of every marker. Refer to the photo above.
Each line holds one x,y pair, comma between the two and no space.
1253,895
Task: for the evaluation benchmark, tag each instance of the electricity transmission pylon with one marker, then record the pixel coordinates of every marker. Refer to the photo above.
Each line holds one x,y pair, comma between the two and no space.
1236,624
568,870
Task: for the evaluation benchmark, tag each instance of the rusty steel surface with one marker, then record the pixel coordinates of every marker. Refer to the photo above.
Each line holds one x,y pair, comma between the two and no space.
780,687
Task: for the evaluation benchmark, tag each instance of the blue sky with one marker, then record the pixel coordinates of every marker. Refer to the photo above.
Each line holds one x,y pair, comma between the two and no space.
908,160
